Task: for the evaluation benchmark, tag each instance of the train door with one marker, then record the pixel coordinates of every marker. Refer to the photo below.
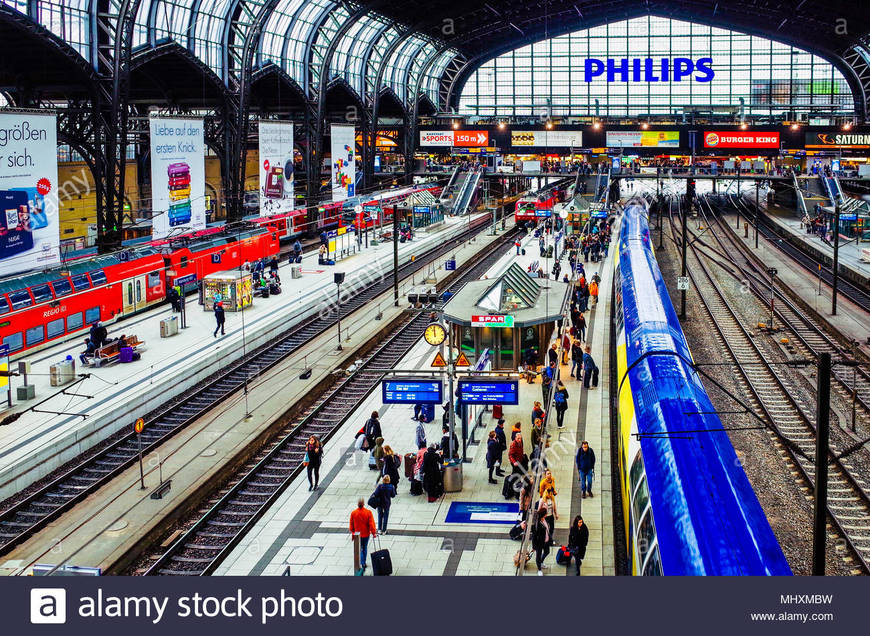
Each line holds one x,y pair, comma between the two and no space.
133,290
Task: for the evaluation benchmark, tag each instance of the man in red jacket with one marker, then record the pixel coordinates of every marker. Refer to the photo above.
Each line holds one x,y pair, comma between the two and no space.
362,522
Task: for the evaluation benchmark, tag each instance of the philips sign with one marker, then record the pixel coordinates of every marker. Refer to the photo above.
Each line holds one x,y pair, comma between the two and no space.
647,69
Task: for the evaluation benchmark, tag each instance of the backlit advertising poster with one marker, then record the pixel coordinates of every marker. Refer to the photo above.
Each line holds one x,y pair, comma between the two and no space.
29,221
643,139
177,176
343,162
547,138
740,139
276,167
821,141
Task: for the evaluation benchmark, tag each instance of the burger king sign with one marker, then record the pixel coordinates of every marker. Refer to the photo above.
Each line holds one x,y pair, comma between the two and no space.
741,139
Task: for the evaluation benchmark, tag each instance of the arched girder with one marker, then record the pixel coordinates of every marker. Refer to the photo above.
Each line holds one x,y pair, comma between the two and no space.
368,55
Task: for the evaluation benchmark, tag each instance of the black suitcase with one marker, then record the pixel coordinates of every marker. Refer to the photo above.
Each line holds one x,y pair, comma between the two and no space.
523,251
416,487
507,490
595,376
382,565
516,532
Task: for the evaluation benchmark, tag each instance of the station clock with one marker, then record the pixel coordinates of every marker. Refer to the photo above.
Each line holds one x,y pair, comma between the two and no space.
435,334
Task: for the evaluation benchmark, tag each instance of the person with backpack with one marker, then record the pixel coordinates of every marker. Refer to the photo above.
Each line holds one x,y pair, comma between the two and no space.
590,369
585,461
578,537
560,400
382,496
379,453
391,466
372,431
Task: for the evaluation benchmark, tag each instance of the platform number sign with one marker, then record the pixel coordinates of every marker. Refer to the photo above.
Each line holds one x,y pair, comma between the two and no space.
682,283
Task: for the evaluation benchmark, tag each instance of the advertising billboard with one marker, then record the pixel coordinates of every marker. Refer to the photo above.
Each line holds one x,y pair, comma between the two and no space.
740,139
29,222
343,161
821,140
177,176
276,167
547,138
460,138
643,139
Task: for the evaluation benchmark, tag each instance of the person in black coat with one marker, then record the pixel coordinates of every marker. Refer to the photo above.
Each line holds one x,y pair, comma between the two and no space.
391,466
314,455
578,537
99,334
493,450
541,538
502,443
445,443
373,430
433,481
220,318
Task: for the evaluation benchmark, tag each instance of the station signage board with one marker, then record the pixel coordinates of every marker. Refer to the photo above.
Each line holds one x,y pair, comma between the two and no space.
488,391
547,138
459,138
817,140
643,139
492,321
412,391
740,139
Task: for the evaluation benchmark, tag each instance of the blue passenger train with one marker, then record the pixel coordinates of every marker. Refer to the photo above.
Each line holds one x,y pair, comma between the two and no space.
688,506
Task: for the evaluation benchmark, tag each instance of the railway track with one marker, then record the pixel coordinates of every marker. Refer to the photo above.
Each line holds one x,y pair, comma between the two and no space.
811,339
219,525
773,402
845,287
52,500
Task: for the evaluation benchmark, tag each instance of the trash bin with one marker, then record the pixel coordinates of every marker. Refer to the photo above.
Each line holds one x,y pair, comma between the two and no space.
296,271
453,476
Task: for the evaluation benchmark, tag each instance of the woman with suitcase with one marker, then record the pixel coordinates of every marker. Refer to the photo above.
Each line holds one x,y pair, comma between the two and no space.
391,466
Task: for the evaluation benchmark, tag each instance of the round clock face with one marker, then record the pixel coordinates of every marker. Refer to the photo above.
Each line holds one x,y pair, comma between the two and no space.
434,334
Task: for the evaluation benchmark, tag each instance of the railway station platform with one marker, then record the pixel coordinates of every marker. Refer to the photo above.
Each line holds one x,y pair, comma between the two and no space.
850,252
306,533
102,530
851,320
112,397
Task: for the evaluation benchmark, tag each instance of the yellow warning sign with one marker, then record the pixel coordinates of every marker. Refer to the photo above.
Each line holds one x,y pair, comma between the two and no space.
462,361
439,361
139,426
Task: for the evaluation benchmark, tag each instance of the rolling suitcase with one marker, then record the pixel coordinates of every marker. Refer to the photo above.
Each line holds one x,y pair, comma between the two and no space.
382,565
410,460
427,414
416,487
523,251
497,411
516,532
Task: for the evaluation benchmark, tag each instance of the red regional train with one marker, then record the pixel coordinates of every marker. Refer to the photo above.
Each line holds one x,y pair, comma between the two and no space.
535,207
44,307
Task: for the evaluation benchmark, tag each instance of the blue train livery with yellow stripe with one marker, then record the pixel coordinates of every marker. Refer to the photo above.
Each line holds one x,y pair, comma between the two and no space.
688,506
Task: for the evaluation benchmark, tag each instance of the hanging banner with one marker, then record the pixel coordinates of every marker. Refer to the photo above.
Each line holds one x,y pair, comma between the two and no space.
177,176
643,138
29,220
343,162
547,138
276,167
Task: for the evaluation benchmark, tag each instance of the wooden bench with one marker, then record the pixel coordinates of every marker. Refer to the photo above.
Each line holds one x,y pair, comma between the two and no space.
111,352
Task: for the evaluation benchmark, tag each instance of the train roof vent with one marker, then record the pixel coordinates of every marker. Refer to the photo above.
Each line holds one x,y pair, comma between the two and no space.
512,291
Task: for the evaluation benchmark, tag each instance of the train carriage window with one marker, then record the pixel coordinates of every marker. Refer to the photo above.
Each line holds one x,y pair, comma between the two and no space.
41,293
636,470
646,536
54,328
62,287
14,340
20,298
653,565
183,261
641,498
92,315
4,305
74,321
98,277
81,282
153,279
34,335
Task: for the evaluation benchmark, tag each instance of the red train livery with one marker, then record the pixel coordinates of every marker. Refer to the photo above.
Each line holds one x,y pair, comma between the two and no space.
45,307
535,207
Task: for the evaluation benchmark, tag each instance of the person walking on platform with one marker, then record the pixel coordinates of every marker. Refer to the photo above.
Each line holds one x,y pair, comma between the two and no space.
502,445
553,354
378,453
174,299
220,318
313,456
581,327
420,434
433,480
296,254
362,523
372,431
493,449
585,461
391,465
590,369
537,413
566,346
578,537
560,400
593,292
540,538
547,492
576,358
383,495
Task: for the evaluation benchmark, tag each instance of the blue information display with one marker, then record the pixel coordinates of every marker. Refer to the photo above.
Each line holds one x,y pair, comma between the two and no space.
489,391
412,391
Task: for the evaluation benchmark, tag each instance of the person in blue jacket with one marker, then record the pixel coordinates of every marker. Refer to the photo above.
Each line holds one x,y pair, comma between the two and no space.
585,461
384,493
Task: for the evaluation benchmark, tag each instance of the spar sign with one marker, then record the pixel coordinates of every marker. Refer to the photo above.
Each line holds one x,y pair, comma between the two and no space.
461,138
492,321
726,139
